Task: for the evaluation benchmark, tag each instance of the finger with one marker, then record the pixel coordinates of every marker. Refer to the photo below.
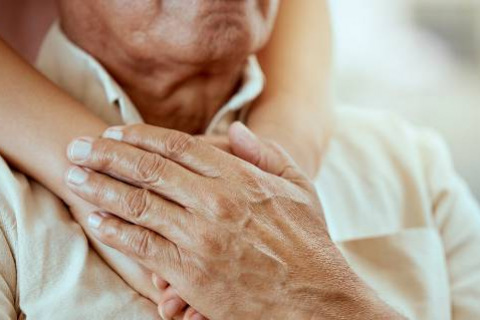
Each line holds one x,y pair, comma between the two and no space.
219,142
189,313
138,167
169,294
267,156
154,252
186,150
192,314
171,308
137,206
159,283
171,305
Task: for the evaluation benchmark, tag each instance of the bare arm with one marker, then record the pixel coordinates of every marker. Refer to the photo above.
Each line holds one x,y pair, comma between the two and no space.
294,110
38,121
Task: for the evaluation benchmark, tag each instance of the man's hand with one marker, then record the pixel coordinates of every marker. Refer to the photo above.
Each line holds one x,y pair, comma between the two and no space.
235,241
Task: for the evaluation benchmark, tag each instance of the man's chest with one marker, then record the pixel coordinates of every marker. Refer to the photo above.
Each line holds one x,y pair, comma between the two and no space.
59,276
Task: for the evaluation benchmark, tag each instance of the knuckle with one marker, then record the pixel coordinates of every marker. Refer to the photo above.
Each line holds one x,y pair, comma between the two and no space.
108,232
98,189
112,234
252,180
136,203
102,154
176,144
141,243
149,167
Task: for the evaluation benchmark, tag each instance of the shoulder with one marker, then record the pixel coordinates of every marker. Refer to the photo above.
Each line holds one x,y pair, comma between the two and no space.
391,195
379,166
386,136
384,144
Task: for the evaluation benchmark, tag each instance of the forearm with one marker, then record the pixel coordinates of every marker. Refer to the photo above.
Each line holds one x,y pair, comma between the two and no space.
304,134
294,109
38,121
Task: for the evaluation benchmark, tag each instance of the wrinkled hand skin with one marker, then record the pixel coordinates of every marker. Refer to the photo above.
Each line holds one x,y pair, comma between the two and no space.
236,242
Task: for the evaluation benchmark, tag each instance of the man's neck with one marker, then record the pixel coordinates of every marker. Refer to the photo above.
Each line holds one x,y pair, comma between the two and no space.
187,103
168,92
177,96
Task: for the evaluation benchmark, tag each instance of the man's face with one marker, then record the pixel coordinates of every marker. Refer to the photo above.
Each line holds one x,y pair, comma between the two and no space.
185,31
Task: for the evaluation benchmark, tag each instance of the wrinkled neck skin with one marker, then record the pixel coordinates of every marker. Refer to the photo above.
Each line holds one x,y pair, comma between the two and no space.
173,94
178,60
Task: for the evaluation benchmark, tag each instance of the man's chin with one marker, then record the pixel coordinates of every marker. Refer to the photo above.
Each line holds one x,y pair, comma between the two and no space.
223,41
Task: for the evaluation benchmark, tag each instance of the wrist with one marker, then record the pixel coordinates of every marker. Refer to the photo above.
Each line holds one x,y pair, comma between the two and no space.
354,308
358,303
335,292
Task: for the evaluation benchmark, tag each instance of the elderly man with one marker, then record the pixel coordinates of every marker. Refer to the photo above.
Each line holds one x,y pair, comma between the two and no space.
395,208
185,65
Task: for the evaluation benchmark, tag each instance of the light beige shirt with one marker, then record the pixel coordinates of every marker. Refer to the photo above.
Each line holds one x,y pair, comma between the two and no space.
394,205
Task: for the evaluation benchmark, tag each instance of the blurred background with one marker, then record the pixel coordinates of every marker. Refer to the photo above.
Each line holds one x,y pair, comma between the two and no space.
419,58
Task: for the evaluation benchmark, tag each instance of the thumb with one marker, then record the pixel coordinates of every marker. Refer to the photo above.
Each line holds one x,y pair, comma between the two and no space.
266,155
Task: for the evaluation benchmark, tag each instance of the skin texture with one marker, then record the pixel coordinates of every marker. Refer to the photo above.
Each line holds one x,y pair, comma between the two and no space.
294,109
178,60
192,78
206,221
299,87
52,106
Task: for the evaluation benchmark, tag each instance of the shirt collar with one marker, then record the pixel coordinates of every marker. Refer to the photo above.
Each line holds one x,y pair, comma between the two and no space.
83,77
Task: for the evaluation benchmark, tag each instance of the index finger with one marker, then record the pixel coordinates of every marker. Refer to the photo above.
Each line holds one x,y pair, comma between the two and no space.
182,148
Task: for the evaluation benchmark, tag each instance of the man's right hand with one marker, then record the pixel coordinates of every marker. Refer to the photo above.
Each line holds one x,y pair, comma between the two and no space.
237,242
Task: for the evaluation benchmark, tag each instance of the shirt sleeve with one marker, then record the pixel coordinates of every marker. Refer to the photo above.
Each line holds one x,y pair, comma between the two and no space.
457,217
7,273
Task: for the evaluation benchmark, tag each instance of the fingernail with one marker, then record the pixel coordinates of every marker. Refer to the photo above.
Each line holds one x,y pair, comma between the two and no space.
114,133
77,176
94,220
171,308
80,150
